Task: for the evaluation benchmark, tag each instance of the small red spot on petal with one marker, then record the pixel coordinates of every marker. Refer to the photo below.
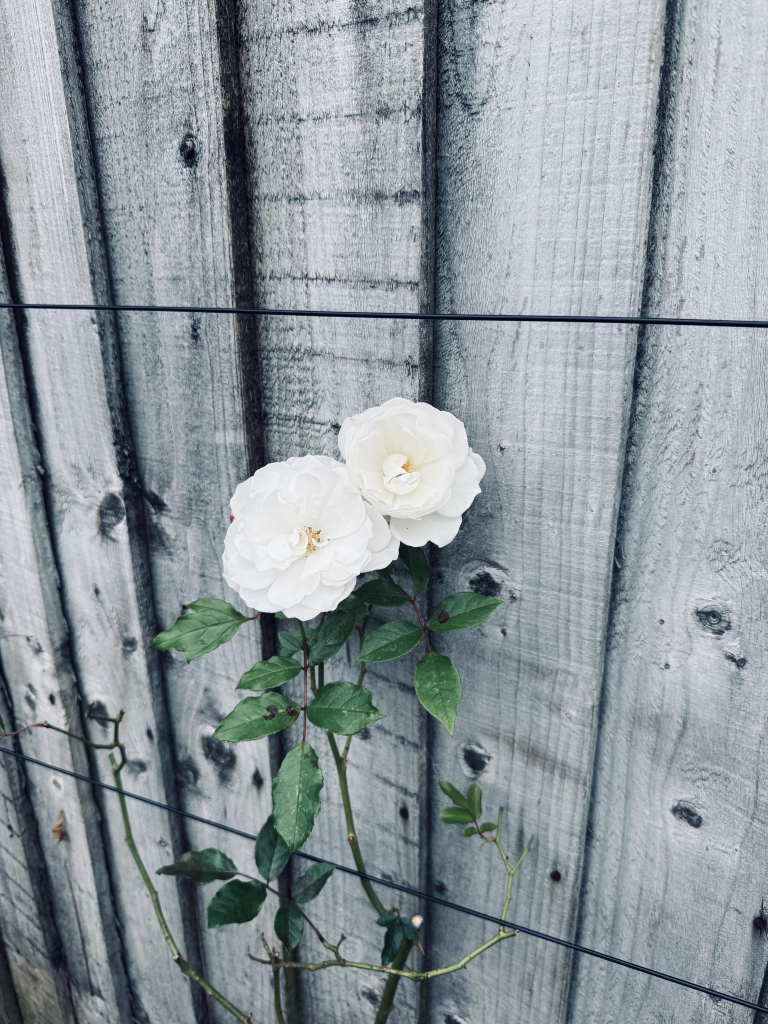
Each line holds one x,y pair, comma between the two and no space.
231,517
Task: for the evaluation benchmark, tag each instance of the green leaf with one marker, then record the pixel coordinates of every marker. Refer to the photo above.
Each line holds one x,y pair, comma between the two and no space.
343,708
393,938
386,572
271,853
410,931
470,830
438,688
353,602
455,816
382,592
280,615
210,624
387,919
256,717
488,826
462,611
202,866
389,641
453,794
266,675
290,642
296,795
331,635
475,801
289,925
311,882
235,903
417,565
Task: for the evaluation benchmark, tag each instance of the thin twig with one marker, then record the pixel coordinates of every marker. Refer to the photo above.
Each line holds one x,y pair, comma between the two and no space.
412,975
184,966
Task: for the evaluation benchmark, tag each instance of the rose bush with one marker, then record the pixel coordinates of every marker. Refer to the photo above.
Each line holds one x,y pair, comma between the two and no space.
413,463
301,532
300,536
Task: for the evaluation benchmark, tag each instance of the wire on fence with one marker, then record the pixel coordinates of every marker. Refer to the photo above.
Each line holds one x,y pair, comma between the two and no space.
651,321
574,946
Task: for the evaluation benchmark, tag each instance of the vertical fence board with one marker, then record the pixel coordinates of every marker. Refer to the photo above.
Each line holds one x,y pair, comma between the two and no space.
33,947
86,454
155,105
335,101
676,863
40,681
546,117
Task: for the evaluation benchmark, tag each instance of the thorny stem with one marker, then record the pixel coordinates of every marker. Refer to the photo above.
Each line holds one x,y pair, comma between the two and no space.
397,972
390,989
340,761
184,966
511,871
275,981
341,769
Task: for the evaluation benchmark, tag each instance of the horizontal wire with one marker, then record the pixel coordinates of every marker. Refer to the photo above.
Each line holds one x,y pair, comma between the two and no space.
666,321
574,946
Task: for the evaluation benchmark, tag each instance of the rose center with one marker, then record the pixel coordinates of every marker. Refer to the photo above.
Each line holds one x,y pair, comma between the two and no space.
400,476
313,539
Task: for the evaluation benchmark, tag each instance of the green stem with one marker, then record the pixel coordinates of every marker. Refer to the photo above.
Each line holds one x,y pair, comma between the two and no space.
438,972
390,989
511,871
278,1000
341,769
185,967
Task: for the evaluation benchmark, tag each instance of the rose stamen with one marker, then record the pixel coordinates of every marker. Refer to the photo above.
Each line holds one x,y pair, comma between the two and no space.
313,539
407,466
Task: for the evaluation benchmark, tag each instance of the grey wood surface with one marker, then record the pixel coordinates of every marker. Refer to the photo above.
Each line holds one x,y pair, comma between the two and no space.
86,460
158,137
504,156
335,109
676,872
543,193
37,986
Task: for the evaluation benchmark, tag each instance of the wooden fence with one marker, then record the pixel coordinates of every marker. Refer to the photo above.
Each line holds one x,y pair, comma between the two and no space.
566,156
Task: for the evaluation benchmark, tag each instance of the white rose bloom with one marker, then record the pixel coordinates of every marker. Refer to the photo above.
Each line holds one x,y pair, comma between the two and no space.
413,463
299,537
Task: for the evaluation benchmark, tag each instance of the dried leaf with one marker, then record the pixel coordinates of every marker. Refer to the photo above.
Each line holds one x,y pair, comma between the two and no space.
58,829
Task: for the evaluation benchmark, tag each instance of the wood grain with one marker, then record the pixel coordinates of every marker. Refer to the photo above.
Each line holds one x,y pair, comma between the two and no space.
86,457
159,147
70,885
676,870
336,107
546,117
33,948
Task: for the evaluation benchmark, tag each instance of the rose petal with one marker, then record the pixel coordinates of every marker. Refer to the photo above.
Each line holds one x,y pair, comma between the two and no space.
383,547
464,490
415,533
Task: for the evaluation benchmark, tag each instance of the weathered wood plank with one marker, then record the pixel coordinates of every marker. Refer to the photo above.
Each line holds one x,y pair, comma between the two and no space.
546,116
676,867
35,987
155,105
336,108
33,947
90,491
40,683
